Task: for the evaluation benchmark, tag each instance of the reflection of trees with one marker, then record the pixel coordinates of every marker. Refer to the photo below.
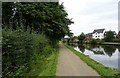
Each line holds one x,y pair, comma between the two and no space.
96,49
119,49
109,49
99,52
73,44
93,46
81,48
88,47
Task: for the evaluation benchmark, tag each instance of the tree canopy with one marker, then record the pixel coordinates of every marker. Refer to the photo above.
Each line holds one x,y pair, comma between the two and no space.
109,36
81,37
48,18
31,31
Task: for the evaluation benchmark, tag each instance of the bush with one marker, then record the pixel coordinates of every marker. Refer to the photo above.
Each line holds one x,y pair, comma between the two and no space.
16,50
19,49
99,41
64,40
93,41
116,40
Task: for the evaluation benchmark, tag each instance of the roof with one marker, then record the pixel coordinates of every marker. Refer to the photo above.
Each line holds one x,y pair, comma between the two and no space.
118,35
89,34
98,30
119,32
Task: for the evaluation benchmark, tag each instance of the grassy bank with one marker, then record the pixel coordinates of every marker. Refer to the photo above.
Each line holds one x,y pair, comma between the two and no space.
51,65
101,69
110,43
45,67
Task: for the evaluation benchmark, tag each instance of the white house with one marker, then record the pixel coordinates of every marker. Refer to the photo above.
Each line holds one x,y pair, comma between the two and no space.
98,33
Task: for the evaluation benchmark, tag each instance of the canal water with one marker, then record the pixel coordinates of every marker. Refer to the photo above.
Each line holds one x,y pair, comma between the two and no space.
104,54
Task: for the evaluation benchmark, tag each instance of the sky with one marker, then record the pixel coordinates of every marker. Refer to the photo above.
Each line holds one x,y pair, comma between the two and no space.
92,14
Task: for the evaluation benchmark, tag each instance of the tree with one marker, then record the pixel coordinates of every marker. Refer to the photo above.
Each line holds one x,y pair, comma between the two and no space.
7,12
81,37
70,34
109,36
31,29
48,18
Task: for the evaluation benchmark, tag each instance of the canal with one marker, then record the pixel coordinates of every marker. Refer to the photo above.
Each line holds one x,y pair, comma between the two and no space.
104,54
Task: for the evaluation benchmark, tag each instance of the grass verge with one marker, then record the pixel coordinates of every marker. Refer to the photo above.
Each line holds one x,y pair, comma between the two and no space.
101,69
110,43
44,66
51,65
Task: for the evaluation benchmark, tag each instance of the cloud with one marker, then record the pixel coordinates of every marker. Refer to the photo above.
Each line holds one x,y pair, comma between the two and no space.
92,14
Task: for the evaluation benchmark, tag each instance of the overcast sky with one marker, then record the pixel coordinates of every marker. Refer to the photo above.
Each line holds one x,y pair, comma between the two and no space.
92,14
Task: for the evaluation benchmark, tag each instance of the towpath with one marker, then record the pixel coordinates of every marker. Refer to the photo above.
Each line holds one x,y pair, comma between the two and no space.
70,64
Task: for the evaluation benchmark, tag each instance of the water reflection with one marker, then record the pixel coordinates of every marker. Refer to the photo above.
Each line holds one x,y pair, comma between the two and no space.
73,44
98,49
105,54
109,50
119,49
81,48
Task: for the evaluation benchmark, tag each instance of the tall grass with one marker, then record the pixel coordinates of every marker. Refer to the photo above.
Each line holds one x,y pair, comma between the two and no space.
26,54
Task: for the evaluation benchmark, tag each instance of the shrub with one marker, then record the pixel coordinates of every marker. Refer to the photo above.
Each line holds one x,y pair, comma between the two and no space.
64,41
93,41
19,49
99,41
116,40
16,50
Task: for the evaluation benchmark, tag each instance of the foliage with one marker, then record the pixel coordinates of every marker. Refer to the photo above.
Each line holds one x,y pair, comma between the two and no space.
93,41
23,53
7,12
81,37
116,40
73,39
70,34
96,41
109,36
16,53
31,32
99,41
64,40
50,18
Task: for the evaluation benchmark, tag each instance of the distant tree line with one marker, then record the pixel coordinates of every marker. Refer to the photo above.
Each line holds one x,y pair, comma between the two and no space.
82,38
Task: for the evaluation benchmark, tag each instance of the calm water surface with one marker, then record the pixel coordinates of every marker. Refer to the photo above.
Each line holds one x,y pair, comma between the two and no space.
104,54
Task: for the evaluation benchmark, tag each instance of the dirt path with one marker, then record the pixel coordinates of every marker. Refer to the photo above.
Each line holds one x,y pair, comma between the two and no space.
71,65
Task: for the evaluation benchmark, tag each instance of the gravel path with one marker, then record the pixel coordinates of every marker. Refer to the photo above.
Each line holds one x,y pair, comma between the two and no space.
70,64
